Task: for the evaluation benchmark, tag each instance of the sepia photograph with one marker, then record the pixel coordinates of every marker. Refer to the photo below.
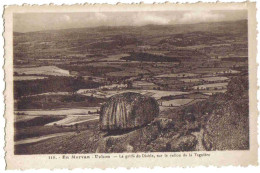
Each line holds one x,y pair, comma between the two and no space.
138,81
130,82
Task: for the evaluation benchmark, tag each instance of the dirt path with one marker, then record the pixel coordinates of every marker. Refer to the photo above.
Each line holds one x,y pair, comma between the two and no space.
199,136
41,138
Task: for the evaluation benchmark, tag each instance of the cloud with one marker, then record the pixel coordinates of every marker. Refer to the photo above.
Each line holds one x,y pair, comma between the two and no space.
100,17
47,21
66,17
60,18
200,16
144,19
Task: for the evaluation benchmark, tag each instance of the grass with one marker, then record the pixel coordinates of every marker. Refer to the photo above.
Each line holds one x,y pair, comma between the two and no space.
74,143
43,70
115,57
224,118
214,85
177,102
71,120
37,121
150,58
227,130
219,78
58,101
39,130
19,78
180,75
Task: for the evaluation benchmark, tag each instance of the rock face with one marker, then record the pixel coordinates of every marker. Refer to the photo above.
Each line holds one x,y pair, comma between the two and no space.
183,143
164,123
150,138
134,141
226,130
127,111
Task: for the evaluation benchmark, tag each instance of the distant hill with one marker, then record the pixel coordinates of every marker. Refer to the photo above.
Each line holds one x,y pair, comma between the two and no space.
206,26
231,26
18,33
127,38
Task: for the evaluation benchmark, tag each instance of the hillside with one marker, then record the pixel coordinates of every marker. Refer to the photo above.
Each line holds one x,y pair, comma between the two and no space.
217,123
102,40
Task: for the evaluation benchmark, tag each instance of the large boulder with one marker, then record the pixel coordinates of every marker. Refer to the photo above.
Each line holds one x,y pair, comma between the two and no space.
127,111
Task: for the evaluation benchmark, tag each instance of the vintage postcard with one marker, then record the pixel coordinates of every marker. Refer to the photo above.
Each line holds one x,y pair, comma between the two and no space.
107,86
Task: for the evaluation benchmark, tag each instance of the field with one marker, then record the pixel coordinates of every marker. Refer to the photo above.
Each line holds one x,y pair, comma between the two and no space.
74,119
19,118
206,79
115,57
189,80
62,77
54,112
43,70
210,79
177,102
179,75
21,78
212,85
153,93
41,131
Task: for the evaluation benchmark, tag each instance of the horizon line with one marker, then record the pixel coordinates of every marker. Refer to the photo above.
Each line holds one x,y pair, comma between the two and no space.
111,26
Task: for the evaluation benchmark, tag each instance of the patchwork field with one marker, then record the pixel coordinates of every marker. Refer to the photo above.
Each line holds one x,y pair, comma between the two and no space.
115,57
205,79
211,79
42,70
74,119
56,112
21,78
62,77
19,118
178,75
205,86
177,102
153,93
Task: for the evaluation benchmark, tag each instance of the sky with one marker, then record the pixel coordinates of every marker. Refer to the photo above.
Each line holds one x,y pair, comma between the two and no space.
30,22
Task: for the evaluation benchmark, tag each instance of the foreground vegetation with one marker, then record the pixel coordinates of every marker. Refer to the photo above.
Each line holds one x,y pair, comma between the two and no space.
222,119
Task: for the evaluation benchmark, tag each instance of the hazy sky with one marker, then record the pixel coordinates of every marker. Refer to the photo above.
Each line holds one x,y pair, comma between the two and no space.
27,22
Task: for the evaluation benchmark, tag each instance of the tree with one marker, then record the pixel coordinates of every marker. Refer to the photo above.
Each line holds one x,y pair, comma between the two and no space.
77,84
129,84
237,88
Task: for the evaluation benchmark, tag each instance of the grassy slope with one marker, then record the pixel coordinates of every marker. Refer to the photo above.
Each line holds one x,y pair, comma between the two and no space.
224,118
73,143
36,131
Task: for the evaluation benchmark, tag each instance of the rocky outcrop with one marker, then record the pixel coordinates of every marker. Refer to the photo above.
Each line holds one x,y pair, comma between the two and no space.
182,143
226,130
152,138
127,111
164,123
134,141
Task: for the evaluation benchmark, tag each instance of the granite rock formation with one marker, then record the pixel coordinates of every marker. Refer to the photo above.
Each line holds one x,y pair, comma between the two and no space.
127,111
